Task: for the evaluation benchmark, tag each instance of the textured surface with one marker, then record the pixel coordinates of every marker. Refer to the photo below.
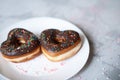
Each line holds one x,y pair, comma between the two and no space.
99,19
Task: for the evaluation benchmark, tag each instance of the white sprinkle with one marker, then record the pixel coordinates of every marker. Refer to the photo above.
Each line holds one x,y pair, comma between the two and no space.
103,73
107,78
103,69
18,48
96,79
118,56
119,75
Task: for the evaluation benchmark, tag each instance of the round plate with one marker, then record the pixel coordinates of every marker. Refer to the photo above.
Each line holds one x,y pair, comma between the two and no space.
40,67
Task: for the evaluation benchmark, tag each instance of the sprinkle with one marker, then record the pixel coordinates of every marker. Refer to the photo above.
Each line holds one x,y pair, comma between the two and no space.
11,48
103,73
72,43
18,47
37,72
53,49
29,43
23,31
119,75
44,68
107,78
72,36
58,49
118,40
64,45
52,70
62,63
27,50
96,79
103,69
43,35
31,38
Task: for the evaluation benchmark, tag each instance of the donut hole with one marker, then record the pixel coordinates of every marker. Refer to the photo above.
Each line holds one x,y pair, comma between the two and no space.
60,38
18,42
57,38
54,40
21,40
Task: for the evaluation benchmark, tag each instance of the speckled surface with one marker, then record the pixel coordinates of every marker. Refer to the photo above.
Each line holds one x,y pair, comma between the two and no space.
99,19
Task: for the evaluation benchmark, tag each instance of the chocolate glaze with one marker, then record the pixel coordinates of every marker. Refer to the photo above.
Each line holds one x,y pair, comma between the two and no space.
19,41
54,40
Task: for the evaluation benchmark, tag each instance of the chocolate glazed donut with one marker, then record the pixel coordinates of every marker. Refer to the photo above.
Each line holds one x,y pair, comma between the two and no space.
21,45
59,45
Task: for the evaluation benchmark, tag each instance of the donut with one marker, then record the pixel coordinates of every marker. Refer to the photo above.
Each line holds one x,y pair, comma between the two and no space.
59,45
21,45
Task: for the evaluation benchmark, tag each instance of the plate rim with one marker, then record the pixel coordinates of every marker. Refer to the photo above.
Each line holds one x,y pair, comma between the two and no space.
64,21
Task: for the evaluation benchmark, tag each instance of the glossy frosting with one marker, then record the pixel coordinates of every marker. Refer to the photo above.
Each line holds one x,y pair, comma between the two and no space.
54,40
19,41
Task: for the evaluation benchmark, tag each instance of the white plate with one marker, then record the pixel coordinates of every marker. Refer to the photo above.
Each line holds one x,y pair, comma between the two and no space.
41,68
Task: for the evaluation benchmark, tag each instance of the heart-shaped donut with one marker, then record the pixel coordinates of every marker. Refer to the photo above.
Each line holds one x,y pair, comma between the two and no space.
21,45
59,45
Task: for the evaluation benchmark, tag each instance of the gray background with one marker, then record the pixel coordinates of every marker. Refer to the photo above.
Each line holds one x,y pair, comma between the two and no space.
99,20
